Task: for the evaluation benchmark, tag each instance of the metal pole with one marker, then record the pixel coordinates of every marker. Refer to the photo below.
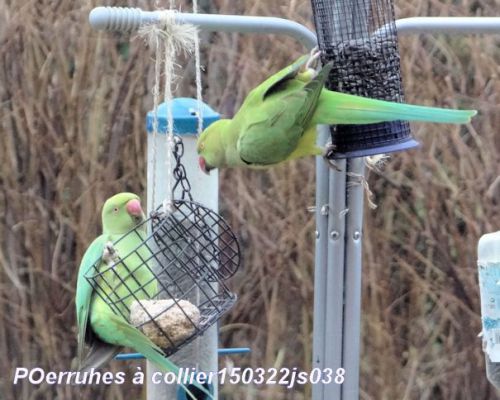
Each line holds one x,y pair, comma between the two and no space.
452,25
335,275
129,19
321,261
353,278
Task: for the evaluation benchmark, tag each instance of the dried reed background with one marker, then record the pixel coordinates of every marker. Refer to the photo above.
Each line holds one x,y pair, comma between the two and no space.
72,110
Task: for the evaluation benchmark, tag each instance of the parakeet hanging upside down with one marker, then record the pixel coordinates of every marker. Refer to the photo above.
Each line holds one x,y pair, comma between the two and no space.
277,121
98,325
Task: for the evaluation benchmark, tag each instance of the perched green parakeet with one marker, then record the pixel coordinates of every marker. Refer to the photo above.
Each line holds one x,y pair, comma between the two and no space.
277,121
104,330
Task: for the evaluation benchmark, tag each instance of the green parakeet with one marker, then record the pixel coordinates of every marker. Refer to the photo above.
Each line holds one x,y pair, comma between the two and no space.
277,121
104,330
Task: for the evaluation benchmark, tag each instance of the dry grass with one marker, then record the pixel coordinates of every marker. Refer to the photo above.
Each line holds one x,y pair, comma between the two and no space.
72,112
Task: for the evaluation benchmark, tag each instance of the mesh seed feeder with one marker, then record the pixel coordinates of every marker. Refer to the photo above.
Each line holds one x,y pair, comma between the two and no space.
172,286
360,38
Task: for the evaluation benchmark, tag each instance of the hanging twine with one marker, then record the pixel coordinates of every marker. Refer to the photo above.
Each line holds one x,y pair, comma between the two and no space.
357,179
197,60
168,39
200,120
169,59
154,42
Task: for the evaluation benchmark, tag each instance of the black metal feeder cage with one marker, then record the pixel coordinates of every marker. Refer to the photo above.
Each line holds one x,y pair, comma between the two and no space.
360,38
172,285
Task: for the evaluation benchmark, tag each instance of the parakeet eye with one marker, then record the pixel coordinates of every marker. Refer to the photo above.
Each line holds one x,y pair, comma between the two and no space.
115,209
202,146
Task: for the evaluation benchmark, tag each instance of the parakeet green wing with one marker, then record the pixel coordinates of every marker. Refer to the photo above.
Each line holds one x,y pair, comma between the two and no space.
274,82
285,115
84,292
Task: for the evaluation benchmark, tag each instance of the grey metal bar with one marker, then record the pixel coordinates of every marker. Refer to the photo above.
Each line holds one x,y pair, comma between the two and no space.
321,261
451,25
353,278
335,276
129,19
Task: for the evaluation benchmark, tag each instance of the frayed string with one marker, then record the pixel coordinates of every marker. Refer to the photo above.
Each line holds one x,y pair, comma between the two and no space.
168,39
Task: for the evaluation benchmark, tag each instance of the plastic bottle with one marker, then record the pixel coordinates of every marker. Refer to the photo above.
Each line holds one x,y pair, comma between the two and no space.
488,263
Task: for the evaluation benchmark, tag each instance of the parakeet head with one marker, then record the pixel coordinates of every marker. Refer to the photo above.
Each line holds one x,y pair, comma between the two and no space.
121,213
211,148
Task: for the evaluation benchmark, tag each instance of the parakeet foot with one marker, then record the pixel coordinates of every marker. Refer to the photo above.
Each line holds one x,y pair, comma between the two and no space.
109,255
328,153
329,150
309,71
314,55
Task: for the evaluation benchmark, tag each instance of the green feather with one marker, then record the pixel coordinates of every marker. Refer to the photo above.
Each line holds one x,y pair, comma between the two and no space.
116,330
340,108
84,291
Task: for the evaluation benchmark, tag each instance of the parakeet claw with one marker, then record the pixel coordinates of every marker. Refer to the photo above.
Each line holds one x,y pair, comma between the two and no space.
313,58
109,255
110,249
328,154
329,150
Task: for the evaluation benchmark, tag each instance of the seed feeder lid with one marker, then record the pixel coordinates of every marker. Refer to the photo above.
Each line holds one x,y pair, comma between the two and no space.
185,113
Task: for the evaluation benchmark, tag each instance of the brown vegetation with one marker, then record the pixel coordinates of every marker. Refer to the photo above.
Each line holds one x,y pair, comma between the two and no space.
72,111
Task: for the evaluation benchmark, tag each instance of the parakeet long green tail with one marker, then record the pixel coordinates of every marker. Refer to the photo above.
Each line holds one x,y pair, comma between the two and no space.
142,344
340,108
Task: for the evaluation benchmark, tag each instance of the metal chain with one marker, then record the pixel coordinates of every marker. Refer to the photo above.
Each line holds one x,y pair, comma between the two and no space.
179,172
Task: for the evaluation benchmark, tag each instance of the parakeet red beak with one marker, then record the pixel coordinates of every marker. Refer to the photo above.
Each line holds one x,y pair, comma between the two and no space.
134,208
203,165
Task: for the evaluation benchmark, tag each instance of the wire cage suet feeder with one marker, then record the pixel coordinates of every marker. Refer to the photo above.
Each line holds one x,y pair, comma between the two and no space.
360,38
171,286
